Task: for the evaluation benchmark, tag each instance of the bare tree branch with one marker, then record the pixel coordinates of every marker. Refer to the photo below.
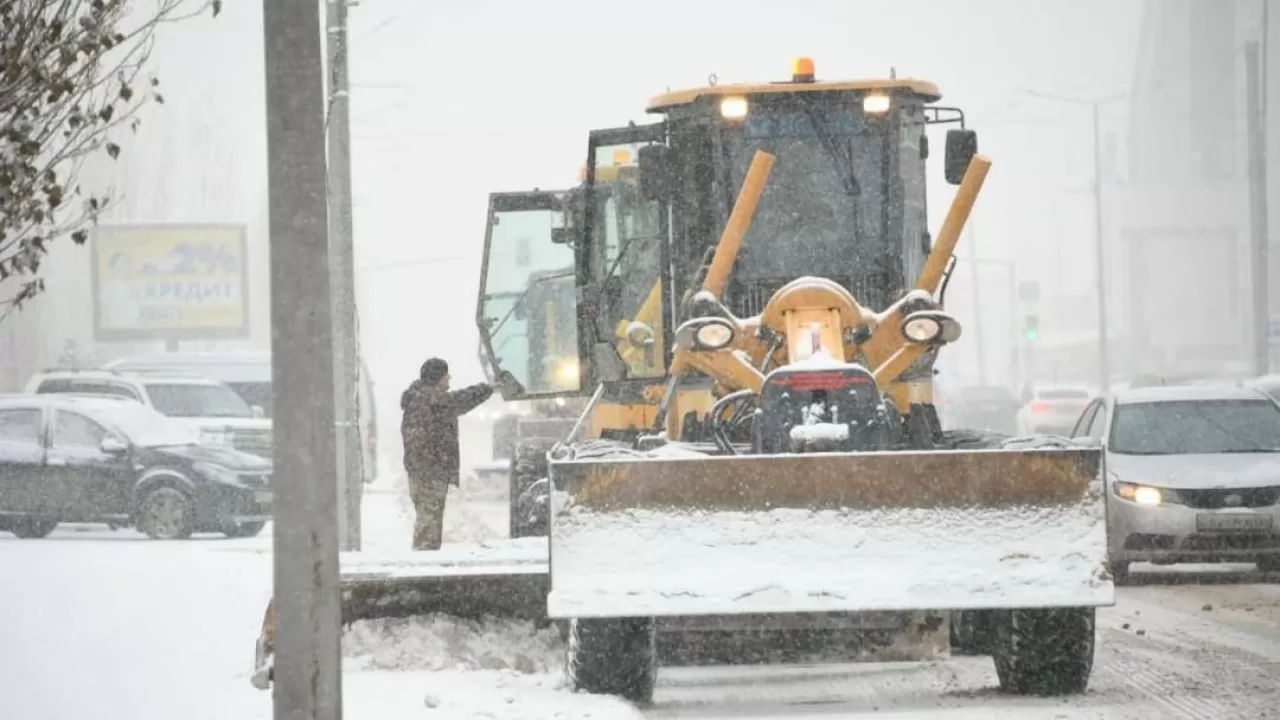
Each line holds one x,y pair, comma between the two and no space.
71,72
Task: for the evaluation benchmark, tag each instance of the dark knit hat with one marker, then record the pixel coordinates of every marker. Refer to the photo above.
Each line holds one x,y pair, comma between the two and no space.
434,370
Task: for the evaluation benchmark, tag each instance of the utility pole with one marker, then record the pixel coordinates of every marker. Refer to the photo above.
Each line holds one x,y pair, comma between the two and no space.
978,344
1104,363
1258,232
305,551
349,448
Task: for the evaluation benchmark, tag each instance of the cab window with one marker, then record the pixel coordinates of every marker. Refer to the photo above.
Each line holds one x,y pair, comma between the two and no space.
75,431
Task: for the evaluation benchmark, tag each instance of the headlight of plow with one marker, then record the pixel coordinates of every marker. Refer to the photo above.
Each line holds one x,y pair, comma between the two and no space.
921,329
714,335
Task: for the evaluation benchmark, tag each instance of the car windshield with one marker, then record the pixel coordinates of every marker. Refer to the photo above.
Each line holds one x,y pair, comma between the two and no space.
1196,427
143,426
197,400
254,393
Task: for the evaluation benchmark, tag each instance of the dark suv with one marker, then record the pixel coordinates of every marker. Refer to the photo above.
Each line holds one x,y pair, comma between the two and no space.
66,458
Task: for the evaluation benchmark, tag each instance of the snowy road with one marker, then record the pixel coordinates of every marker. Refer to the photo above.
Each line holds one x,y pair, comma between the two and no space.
102,625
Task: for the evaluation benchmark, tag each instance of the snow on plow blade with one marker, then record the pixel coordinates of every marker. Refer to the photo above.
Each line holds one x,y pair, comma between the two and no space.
837,532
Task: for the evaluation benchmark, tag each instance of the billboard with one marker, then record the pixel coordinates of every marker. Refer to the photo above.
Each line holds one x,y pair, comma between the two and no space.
170,282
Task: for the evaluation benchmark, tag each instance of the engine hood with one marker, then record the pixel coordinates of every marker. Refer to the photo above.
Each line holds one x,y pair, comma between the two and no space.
1196,472
217,455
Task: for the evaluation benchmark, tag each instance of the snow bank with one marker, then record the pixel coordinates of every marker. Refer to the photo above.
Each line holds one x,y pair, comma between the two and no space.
439,642
648,562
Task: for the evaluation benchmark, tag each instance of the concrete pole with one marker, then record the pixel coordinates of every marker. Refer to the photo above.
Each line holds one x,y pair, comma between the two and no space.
1258,232
349,454
305,552
1104,364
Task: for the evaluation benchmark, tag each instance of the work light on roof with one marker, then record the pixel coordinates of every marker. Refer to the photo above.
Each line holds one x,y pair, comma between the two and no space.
876,104
733,107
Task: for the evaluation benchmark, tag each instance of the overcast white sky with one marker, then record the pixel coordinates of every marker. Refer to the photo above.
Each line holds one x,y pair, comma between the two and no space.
454,100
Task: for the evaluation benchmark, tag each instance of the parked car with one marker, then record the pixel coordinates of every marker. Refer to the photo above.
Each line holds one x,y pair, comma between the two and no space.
985,407
209,407
1192,474
1052,410
68,458
249,375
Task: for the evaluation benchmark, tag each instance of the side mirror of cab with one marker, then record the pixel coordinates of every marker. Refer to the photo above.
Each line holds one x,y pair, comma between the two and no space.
962,145
113,446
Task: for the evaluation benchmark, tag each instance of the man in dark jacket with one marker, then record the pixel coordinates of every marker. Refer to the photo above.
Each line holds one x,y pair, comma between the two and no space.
430,432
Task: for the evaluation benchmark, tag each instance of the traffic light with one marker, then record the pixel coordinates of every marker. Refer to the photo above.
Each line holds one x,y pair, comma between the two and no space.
1031,327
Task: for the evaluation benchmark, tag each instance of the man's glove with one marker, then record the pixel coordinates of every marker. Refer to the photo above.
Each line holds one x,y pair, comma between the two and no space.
508,385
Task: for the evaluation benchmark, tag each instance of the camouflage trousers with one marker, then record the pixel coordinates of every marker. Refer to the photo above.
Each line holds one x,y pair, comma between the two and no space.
428,495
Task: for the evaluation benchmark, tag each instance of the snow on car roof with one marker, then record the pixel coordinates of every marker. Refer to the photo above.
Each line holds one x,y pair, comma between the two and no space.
1183,393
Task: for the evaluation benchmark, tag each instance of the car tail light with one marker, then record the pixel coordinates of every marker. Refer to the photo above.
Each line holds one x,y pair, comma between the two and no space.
1040,406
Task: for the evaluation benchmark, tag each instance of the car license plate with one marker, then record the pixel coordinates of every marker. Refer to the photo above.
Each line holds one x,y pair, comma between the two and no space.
1232,521
262,497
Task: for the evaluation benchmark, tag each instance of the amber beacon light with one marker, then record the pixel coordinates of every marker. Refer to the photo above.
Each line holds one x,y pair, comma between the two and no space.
802,69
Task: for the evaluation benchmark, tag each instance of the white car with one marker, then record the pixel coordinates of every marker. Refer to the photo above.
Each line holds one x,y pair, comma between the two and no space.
213,410
1052,410
248,373
1192,474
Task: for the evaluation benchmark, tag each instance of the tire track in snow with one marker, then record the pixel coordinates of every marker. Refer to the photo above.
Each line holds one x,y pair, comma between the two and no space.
1199,666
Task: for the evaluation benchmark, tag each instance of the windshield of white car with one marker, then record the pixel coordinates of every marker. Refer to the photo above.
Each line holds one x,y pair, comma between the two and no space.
1196,427
193,400
143,426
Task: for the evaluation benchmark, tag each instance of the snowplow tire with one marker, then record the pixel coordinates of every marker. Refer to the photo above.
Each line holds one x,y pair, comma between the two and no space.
614,656
528,466
971,633
1044,651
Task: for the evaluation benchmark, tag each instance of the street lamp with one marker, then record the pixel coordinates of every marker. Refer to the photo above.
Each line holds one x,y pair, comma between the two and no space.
1104,365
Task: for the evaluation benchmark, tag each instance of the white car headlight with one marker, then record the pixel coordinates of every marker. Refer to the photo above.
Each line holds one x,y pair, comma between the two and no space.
1141,494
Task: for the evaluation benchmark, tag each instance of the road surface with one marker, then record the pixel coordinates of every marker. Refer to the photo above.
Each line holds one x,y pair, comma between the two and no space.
105,625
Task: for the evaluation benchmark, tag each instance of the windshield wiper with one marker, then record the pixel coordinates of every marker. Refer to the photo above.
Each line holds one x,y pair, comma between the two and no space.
841,162
1250,450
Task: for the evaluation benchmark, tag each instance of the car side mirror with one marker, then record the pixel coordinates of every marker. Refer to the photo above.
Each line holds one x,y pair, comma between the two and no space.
113,446
258,411
962,145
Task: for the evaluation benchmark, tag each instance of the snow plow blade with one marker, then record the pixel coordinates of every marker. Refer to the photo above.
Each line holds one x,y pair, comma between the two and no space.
828,533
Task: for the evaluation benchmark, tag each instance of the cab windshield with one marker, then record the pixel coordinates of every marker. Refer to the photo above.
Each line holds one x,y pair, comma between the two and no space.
826,192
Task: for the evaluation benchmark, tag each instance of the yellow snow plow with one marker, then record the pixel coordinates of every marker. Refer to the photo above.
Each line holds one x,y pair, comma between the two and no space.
780,471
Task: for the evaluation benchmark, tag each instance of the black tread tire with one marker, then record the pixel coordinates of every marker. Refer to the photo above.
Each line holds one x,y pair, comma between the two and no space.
528,465
28,528
1044,651
1120,572
188,524
244,529
614,656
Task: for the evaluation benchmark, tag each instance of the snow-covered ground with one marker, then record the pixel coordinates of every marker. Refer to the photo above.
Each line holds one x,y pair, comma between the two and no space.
106,625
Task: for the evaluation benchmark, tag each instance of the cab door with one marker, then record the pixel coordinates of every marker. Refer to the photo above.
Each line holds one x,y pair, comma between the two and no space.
527,310
625,253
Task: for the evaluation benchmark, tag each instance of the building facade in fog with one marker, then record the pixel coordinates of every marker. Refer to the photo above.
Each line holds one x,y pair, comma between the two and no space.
1179,227
198,158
